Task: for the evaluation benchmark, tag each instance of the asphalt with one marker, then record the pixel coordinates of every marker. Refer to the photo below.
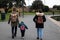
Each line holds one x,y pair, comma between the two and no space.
51,30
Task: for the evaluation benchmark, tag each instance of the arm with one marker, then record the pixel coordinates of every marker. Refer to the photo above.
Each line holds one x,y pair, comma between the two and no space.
44,18
26,26
34,19
17,19
19,25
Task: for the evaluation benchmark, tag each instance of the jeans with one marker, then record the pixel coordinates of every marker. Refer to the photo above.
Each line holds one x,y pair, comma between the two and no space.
40,32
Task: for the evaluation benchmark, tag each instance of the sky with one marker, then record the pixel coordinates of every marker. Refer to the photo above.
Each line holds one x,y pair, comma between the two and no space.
49,3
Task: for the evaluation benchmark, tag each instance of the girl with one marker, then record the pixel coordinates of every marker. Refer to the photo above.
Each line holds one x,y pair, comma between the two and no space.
22,27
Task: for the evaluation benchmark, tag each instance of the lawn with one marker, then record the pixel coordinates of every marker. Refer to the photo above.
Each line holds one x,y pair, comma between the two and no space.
7,16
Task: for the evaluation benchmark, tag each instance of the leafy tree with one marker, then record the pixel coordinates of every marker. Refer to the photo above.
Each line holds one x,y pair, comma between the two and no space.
37,5
20,2
45,8
3,3
56,7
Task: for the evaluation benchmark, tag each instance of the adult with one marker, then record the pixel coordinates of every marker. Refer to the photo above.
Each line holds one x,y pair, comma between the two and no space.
13,18
39,20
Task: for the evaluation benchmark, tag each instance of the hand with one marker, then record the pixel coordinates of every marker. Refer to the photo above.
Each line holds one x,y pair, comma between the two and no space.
27,28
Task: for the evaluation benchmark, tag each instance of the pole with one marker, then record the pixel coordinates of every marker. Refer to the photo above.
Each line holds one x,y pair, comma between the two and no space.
23,11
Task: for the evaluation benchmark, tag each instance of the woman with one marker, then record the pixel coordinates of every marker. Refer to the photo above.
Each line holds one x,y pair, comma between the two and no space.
13,18
39,20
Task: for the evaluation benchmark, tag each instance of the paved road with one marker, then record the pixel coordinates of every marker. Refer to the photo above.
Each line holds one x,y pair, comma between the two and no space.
51,30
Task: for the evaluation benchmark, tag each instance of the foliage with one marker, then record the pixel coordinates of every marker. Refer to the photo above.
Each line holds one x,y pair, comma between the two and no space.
45,8
56,7
37,5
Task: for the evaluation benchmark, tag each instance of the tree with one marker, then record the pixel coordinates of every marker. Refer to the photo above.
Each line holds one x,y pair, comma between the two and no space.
37,5
45,8
3,3
56,7
20,2
10,4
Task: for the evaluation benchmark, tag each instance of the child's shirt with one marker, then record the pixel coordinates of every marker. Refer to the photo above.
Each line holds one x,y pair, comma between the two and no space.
22,26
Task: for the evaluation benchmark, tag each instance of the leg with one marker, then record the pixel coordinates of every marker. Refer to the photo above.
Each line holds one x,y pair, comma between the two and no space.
40,33
15,31
22,33
12,32
37,33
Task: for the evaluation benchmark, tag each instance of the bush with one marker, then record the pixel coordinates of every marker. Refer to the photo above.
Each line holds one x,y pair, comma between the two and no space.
56,18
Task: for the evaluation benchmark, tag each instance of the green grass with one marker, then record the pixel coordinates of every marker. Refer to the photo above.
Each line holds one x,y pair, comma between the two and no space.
6,19
50,13
27,13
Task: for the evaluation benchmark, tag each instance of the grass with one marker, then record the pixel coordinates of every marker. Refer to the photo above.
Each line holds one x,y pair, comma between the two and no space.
57,18
50,13
27,13
7,16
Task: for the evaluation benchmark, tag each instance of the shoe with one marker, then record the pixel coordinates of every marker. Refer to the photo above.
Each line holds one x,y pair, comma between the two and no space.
23,37
15,35
37,37
41,39
12,37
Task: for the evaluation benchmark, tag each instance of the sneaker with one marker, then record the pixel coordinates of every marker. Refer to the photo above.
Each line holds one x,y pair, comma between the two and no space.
15,35
23,37
12,37
41,39
37,37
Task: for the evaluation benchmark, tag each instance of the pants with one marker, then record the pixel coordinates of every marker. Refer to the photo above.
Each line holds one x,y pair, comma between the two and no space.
14,30
40,32
22,33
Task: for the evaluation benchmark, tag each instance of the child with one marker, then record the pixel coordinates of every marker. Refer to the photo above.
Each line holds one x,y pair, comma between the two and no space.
22,27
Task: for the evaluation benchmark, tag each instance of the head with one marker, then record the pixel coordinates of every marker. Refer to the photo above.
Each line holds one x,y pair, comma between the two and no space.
40,10
14,9
40,13
22,22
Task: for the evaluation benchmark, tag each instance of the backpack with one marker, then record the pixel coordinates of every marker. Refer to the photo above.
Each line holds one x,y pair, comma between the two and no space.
13,17
22,27
40,19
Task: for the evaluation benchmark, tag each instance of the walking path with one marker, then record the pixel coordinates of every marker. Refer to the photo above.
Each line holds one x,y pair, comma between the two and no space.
51,30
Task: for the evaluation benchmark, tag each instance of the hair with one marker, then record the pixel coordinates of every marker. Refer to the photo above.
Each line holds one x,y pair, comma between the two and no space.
40,10
14,9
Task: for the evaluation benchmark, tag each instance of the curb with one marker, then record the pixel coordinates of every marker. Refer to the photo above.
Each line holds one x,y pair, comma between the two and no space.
56,22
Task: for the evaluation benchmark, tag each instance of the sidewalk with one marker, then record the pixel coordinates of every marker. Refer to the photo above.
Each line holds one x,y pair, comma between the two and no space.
51,30
56,22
